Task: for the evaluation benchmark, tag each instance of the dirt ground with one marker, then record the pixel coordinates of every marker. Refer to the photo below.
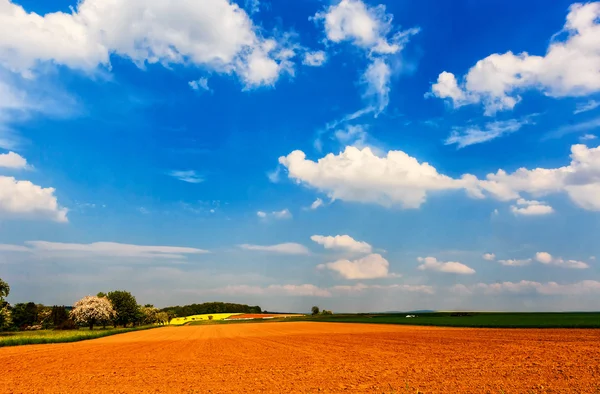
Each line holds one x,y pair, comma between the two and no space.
307,357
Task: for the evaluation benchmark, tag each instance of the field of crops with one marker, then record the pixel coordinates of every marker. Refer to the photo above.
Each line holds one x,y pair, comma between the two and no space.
205,317
475,319
310,357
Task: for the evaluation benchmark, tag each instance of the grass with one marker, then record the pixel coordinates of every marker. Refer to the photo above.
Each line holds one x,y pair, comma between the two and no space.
51,336
474,319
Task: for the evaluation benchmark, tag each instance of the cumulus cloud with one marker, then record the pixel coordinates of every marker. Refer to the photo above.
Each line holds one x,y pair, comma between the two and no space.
585,287
342,242
570,67
471,135
531,208
106,249
284,248
214,34
548,259
27,200
188,176
369,267
12,160
587,106
397,179
361,176
314,59
489,256
432,264
369,28
515,262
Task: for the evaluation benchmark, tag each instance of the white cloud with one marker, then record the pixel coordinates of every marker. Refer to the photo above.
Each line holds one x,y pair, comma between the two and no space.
314,59
548,259
376,79
580,180
361,288
515,262
189,176
489,256
12,160
369,28
200,84
585,287
342,242
432,264
366,27
275,290
361,176
531,208
284,248
283,214
588,106
570,128
569,68
316,204
398,179
110,249
214,34
587,137
355,135
471,135
25,199
369,267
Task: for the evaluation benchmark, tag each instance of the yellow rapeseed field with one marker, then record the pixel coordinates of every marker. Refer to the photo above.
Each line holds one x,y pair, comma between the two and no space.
215,316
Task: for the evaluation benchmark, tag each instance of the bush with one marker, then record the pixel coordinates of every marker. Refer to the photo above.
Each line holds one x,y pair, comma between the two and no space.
67,325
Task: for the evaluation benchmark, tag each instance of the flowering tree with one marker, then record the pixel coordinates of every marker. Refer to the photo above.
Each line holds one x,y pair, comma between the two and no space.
91,310
5,315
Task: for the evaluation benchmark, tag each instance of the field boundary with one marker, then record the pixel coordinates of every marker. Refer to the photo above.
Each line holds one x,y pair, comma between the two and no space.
77,336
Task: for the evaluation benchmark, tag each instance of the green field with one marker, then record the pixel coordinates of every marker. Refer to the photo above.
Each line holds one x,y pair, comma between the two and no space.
57,336
474,319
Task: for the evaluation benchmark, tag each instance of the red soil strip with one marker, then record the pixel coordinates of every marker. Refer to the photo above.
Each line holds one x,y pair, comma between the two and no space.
310,357
258,316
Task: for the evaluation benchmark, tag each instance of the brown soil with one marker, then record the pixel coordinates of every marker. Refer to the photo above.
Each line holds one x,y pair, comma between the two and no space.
311,357
258,316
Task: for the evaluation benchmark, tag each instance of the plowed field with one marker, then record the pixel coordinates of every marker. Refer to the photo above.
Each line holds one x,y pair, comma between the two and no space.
311,357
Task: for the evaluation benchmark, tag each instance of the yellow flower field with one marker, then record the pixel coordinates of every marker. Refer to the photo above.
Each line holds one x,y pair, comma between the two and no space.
215,316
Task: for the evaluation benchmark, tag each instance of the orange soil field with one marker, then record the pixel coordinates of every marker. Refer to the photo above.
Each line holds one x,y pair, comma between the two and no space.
259,316
311,357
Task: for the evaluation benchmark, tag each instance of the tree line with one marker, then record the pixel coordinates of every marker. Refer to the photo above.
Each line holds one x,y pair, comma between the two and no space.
209,307
115,308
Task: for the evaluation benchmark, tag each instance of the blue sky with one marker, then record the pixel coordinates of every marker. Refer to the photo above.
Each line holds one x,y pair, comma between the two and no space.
360,156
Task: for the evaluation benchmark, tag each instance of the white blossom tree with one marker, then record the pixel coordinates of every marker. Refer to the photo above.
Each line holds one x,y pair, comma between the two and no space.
91,310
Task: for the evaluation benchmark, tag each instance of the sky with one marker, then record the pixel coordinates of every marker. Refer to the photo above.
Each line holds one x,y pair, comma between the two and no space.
355,155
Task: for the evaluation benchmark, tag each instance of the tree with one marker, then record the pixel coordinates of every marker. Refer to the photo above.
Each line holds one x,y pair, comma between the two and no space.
162,318
5,314
91,310
125,306
59,316
315,310
4,290
24,315
149,314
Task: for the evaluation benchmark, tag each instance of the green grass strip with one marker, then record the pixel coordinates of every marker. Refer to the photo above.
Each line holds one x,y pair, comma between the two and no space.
51,336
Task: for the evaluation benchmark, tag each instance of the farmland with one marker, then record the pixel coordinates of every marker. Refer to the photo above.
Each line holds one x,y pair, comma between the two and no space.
312,357
203,317
475,319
